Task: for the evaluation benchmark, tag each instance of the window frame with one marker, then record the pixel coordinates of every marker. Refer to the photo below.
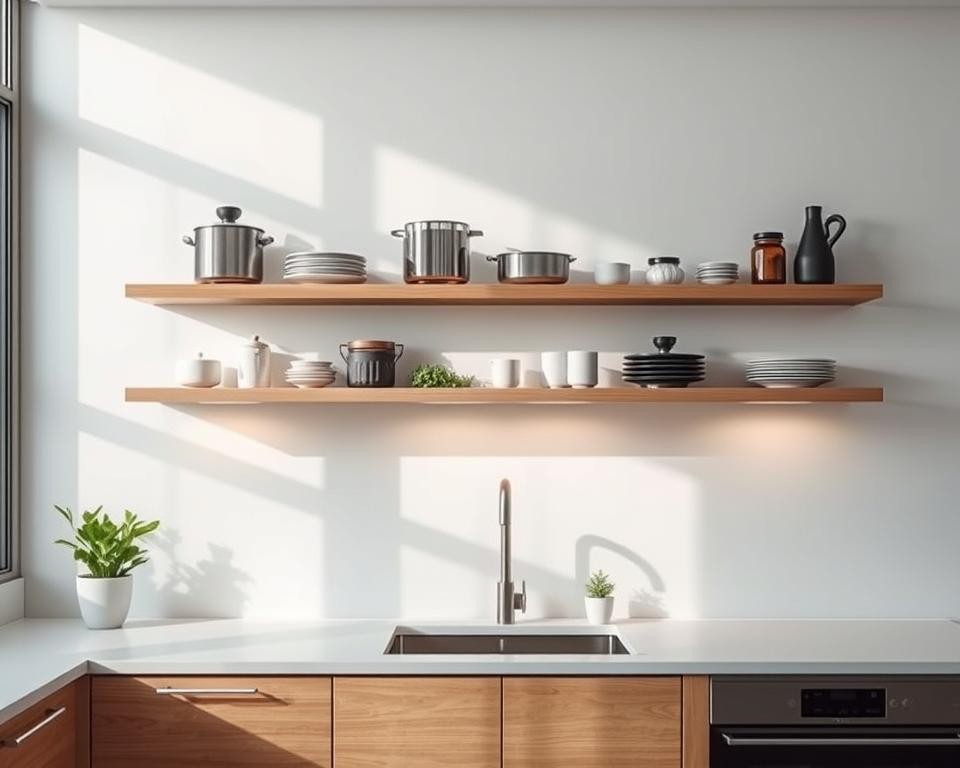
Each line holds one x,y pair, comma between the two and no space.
10,320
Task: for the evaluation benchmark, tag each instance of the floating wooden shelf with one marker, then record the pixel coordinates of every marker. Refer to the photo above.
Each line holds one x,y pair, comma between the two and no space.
477,395
496,294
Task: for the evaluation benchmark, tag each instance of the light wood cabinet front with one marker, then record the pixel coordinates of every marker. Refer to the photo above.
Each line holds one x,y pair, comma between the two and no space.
416,722
45,735
591,722
280,722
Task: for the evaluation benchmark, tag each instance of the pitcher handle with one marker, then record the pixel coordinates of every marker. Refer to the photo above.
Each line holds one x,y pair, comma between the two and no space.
342,353
399,348
841,226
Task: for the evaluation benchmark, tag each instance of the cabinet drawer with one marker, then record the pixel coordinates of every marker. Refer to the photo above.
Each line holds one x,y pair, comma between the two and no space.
211,721
417,722
44,736
591,722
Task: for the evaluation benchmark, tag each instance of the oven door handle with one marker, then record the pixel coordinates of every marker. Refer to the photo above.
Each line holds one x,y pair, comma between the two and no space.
869,741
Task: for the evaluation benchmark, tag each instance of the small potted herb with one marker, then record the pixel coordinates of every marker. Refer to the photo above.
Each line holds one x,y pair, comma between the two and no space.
109,551
599,599
438,376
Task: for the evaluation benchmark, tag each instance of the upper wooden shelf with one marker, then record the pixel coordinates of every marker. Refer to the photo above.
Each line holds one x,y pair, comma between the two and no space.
497,294
479,395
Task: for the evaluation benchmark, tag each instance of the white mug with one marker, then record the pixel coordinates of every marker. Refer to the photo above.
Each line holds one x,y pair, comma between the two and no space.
554,366
505,373
582,369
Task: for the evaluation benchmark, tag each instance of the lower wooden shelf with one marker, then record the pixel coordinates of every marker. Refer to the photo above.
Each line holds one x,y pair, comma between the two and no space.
480,396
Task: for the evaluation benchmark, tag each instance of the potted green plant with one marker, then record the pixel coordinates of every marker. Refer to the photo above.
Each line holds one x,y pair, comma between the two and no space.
599,599
109,551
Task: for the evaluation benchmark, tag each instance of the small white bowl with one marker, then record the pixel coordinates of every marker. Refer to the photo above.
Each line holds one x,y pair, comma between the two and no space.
611,273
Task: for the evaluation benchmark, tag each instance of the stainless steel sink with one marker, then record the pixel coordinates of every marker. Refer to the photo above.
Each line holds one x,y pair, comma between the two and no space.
601,644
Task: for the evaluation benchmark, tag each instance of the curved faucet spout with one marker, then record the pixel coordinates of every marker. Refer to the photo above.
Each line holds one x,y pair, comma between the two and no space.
508,600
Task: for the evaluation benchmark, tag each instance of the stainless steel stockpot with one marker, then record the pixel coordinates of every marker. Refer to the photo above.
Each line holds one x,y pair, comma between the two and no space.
436,251
533,266
228,252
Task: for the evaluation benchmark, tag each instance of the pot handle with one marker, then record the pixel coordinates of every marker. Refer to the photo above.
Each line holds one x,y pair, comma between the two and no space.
342,353
261,241
493,258
572,259
475,233
399,348
188,240
398,232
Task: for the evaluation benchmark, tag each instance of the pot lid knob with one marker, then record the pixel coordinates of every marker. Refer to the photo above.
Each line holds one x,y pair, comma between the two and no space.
664,343
228,214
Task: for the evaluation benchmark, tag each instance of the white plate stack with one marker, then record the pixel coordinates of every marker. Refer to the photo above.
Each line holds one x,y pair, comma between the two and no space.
718,272
313,267
311,374
791,372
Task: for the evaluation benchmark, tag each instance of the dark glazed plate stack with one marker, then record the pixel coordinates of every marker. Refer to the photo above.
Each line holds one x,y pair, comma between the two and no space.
663,368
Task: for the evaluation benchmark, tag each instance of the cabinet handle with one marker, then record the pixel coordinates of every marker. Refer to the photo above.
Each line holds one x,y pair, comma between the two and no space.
207,691
52,714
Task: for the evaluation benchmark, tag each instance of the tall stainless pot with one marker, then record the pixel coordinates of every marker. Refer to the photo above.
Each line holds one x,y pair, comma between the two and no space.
228,252
436,251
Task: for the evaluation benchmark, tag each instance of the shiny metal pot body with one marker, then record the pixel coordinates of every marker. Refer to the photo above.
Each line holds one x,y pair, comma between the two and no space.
533,266
371,366
436,251
228,252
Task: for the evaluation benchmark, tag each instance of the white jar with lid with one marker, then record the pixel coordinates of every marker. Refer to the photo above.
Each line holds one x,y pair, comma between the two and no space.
198,372
664,270
254,365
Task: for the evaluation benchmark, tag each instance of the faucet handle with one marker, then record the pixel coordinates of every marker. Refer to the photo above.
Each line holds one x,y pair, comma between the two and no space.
520,598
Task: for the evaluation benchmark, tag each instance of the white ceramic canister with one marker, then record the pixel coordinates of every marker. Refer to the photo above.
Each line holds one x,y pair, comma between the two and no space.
554,366
505,372
582,369
664,270
197,372
253,369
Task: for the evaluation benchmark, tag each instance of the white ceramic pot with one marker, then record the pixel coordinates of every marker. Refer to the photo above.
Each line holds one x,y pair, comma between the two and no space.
104,603
554,366
505,373
664,270
582,369
253,369
611,273
599,609
198,372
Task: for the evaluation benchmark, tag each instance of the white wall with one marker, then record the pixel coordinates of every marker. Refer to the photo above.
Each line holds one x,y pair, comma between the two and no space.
614,134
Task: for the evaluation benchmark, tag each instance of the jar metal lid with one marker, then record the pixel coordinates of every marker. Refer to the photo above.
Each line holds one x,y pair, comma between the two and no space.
768,236
663,260
370,344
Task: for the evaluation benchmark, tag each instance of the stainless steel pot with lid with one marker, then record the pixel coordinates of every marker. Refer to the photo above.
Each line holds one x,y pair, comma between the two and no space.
228,252
436,251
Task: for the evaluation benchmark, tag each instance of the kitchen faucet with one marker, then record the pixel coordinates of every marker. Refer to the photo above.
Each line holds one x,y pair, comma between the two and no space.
508,600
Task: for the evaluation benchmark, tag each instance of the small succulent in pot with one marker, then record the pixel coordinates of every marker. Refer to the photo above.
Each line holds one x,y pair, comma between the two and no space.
110,552
599,598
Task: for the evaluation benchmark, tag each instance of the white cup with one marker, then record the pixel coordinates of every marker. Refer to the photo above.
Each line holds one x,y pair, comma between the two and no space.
505,373
554,365
611,273
582,369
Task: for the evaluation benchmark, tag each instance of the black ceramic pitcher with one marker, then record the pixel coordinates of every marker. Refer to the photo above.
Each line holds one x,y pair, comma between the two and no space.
814,262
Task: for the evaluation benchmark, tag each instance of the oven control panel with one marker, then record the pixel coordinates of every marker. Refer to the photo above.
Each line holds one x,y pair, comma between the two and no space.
843,702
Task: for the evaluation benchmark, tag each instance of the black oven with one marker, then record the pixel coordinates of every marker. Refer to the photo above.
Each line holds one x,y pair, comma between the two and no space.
839,722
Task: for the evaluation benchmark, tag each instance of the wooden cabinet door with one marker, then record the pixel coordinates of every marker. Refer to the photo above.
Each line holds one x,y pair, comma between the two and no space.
45,735
210,721
416,722
591,722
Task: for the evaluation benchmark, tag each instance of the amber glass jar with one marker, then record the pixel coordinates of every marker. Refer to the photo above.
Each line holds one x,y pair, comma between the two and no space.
768,259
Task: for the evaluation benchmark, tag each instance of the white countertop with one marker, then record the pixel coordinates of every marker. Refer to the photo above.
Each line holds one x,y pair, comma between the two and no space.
37,656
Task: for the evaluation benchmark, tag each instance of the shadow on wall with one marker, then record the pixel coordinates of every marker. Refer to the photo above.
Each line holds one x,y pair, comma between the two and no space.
215,576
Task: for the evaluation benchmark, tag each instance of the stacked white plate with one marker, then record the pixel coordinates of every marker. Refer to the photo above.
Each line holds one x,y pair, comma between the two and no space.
791,372
308,374
718,272
314,267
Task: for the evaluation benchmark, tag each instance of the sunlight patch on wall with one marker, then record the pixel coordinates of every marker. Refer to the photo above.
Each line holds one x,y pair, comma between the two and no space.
635,517
410,188
199,117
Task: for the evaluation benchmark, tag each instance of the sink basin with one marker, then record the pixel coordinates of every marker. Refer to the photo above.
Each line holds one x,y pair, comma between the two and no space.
599,644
